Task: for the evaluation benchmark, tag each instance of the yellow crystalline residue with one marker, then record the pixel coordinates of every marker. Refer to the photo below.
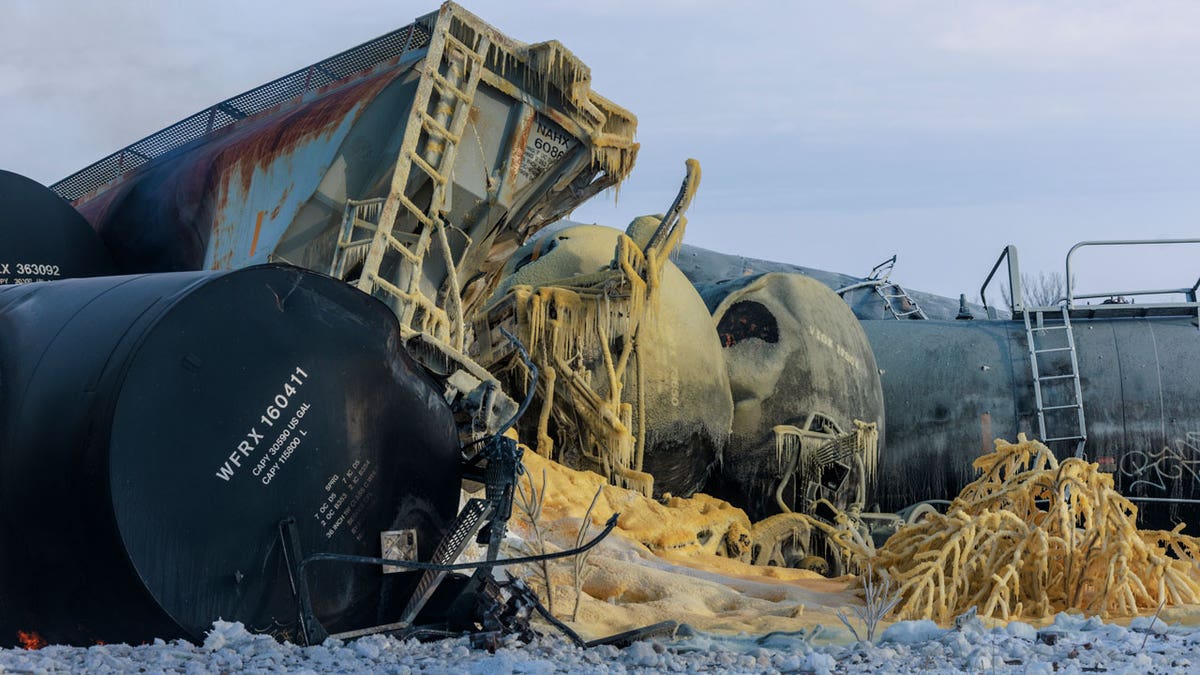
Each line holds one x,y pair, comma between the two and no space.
685,527
571,329
654,566
1032,537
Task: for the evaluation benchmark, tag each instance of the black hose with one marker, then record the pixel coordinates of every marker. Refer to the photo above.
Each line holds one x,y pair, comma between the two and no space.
414,565
533,376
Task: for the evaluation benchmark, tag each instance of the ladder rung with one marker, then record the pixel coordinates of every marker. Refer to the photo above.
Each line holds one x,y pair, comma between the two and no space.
1041,328
1056,377
1048,351
444,85
1064,438
1061,407
389,287
431,125
399,247
467,50
415,210
357,243
427,168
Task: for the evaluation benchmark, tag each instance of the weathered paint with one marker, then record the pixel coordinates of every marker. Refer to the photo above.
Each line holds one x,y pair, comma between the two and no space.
199,208
299,163
947,382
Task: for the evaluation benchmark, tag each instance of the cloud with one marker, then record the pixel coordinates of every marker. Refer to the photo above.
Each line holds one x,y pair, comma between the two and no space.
1072,34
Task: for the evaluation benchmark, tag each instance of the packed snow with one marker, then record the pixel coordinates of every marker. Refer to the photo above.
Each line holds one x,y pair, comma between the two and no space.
1070,644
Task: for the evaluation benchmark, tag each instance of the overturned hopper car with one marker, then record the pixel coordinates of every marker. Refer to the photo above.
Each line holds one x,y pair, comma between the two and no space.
411,166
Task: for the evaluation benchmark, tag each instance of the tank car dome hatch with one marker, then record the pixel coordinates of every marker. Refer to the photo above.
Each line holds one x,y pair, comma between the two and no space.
800,368
155,430
43,238
688,407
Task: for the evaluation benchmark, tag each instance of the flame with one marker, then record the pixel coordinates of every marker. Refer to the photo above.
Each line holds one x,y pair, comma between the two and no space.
30,639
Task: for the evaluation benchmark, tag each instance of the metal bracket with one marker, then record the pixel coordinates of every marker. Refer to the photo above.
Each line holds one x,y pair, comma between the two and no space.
397,545
311,629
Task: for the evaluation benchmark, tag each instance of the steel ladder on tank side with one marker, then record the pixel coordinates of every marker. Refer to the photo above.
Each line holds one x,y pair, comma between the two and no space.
403,254
1064,427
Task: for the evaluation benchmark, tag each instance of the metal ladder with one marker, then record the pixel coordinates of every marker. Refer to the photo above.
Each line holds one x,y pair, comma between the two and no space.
890,291
403,254
879,281
1035,328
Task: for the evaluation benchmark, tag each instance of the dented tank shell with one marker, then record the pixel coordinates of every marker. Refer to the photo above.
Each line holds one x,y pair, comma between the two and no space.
155,430
792,348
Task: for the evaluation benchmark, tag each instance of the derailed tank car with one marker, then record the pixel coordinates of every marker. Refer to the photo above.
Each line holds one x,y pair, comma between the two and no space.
1114,382
801,372
156,429
42,238
1138,377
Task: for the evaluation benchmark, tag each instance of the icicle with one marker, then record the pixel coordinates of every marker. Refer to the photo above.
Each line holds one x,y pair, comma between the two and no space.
867,443
787,446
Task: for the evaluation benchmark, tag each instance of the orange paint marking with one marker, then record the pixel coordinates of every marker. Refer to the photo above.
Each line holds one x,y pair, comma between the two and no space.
257,229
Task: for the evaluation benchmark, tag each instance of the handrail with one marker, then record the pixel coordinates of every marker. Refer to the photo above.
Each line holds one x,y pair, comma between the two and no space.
1017,294
1188,293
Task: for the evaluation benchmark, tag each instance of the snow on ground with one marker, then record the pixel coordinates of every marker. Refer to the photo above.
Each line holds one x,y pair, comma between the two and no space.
737,618
1070,644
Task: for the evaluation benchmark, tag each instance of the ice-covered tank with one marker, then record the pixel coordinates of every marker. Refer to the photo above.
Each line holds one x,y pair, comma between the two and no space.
952,387
799,367
684,401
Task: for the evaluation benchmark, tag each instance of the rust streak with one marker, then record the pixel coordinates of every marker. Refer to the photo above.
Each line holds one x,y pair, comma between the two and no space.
262,144
986,444
518,149
282,200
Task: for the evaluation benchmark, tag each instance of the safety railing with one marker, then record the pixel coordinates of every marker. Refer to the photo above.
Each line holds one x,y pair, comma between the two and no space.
338,67
1017,294
1114,299
1188,293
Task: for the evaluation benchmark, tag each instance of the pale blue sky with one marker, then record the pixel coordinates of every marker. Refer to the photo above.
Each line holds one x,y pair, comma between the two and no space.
832,134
